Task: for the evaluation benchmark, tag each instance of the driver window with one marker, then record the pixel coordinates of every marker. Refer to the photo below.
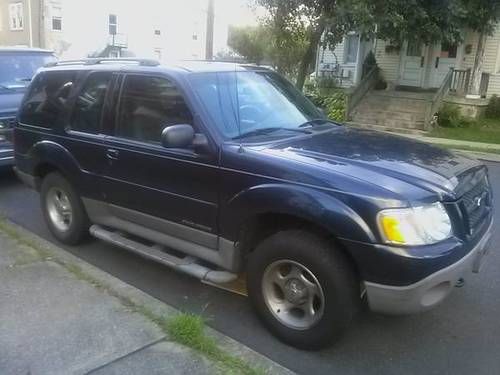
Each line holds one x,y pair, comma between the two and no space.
147,106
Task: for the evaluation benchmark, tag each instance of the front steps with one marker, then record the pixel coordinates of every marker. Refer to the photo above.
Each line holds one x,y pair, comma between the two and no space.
393,110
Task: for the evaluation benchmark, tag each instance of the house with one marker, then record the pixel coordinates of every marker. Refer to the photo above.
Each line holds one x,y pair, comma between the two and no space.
419,78
111,28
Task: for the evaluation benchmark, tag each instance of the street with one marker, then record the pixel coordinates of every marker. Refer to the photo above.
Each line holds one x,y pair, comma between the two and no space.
462,336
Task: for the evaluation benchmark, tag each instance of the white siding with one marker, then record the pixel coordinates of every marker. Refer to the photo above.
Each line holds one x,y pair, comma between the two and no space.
387,62
328,61
491,62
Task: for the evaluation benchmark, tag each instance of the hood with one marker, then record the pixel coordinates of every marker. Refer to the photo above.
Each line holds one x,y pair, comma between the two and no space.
371,154
10,102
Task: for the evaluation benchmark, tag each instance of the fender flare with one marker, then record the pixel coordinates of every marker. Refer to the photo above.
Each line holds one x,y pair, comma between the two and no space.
313,205
52,153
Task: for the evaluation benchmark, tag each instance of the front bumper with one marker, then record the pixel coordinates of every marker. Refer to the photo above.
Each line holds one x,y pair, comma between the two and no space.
431,290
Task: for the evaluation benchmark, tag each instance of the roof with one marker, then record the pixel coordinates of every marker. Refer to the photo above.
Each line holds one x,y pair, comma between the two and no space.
125,64
24,49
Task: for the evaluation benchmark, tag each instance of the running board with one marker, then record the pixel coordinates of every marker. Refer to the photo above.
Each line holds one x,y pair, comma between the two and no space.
186,265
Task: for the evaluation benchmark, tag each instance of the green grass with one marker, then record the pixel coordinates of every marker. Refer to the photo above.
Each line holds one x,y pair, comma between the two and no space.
482,130
183,328
468,148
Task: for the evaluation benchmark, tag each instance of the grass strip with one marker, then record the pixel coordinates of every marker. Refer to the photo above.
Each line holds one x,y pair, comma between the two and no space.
184,328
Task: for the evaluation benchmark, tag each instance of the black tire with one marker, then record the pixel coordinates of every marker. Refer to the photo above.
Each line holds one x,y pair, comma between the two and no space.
78,229
332,271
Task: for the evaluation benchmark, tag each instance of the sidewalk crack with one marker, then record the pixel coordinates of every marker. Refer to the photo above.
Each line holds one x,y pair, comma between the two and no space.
163,338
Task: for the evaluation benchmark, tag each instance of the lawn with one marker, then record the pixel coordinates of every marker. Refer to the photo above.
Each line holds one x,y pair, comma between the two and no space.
482,130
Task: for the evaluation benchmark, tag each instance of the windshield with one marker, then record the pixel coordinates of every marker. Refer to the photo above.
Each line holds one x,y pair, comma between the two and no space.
17,69
253,103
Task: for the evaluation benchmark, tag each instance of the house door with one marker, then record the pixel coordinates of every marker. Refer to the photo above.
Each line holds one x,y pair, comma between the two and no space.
412,64
445,57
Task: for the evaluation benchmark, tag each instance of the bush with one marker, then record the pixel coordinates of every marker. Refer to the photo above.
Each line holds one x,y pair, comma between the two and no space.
449,116
493,108
334,104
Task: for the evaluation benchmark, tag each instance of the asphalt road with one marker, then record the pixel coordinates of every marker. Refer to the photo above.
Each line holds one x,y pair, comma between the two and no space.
461,336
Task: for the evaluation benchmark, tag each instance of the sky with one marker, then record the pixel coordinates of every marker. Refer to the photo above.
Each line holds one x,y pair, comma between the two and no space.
86,21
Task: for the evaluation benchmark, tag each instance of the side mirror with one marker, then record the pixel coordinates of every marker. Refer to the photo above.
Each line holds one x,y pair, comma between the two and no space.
183,136
177,136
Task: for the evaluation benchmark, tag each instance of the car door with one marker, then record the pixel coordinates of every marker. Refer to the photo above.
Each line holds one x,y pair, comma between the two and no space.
173,191
84,136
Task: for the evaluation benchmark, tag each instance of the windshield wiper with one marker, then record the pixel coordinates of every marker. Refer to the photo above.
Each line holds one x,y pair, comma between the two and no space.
317,122
264,131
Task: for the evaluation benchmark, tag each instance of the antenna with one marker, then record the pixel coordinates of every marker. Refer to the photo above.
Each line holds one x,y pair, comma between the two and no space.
238,108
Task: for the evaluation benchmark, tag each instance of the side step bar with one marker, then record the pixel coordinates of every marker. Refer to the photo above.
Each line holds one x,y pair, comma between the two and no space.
186,265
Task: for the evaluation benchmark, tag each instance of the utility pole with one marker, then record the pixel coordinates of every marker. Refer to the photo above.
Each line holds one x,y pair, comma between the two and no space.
209,48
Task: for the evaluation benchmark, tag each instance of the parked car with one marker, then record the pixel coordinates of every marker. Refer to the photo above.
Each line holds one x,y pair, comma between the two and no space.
238,173
17,67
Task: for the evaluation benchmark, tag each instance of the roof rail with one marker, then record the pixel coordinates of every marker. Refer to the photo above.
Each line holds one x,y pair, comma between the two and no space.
100,60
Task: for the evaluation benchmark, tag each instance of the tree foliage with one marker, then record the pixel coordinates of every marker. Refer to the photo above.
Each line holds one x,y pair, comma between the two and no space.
260,45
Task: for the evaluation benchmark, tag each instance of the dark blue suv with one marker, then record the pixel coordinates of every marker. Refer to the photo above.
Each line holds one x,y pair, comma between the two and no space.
220,170
17,67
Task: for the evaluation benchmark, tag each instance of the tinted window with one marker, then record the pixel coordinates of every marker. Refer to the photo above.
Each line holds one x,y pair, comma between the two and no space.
46,102
148,105
17,69
87,111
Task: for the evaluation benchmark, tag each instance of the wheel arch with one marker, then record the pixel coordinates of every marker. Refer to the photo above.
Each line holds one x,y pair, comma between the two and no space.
51,157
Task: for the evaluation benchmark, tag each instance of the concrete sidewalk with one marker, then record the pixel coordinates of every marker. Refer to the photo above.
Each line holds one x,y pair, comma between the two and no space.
60,315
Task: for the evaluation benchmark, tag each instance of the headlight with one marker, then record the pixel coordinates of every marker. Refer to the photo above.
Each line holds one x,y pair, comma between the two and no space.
422,225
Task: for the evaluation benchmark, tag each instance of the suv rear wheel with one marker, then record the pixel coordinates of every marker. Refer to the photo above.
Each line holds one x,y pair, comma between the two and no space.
63,210
302,288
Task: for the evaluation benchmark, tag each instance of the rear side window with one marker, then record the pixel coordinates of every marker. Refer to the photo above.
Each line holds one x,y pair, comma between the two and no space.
47,100
87,111
147,106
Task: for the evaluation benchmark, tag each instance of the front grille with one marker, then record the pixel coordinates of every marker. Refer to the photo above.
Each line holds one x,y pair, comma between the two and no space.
7,122
6,128
476,204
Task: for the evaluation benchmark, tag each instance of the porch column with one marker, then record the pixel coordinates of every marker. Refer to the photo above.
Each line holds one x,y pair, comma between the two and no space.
359,62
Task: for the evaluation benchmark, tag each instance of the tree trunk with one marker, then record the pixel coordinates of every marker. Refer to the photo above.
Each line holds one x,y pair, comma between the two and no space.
477,70
305,63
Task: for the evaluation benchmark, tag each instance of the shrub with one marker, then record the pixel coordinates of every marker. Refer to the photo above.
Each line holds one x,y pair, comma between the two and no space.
493,107
449,116
334,104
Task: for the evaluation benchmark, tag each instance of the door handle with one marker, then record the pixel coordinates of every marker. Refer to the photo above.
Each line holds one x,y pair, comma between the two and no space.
422,61
437,62
112,154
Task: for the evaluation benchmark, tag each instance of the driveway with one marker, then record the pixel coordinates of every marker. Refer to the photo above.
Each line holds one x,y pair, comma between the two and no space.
462,336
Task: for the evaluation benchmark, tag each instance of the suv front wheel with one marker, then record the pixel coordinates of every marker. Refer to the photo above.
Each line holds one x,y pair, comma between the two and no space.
303,288
63,210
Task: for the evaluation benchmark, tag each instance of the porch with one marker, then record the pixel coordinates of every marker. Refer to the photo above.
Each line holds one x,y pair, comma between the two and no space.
407,107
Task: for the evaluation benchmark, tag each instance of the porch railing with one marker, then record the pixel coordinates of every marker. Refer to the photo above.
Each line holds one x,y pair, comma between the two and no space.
437,99
354,97
461,83
485,82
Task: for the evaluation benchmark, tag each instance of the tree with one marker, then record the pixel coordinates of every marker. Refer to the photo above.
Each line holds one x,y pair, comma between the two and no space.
482,17
290,18
248,42
262,45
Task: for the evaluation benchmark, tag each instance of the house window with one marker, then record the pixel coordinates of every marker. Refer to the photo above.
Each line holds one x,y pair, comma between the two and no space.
157,53
351,48
16,19
112,24
56,17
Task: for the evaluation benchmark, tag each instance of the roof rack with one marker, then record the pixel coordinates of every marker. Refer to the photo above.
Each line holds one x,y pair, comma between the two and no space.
100,60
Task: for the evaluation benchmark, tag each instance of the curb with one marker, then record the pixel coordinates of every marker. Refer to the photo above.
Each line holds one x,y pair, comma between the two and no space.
140,298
